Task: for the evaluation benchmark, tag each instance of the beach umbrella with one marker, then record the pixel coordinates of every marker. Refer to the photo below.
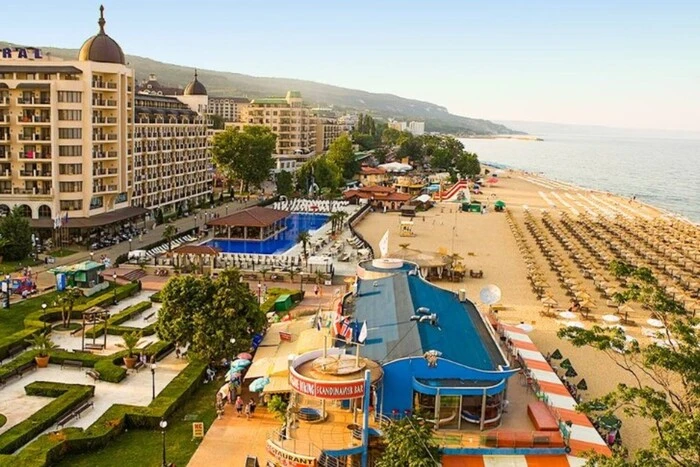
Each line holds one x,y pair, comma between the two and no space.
556,355
525,327
245,356
258,384
241,362
575,324
611,318
571,373
582,385
566,363
499,204
597,406
492,180
549,302
567,315
233,374
656,323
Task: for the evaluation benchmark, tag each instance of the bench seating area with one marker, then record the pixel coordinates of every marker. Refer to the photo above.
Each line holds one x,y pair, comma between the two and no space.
541,417
138,365
72,364
75,413
94,346
13,351
93,373
19,371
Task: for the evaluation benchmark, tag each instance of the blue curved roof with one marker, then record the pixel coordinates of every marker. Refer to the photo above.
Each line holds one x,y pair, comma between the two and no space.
387,306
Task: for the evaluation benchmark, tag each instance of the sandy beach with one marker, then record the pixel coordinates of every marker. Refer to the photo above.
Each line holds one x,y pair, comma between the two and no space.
485,242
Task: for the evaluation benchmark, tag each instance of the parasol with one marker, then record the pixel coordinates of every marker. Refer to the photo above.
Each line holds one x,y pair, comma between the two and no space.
656,323
567,315
571,373
525,327
490,294
258,384
582,385
566,363
556,355
611,319
245,356
609,422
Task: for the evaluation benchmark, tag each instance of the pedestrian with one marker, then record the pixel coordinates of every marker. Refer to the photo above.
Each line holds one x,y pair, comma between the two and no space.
252,406
248,415
220,405
316,290
239,406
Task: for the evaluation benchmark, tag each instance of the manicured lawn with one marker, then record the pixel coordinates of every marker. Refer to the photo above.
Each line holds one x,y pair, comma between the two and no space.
144,447
12,319
8,267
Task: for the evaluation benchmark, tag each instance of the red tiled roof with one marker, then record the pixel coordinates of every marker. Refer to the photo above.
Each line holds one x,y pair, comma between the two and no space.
372,171
251,217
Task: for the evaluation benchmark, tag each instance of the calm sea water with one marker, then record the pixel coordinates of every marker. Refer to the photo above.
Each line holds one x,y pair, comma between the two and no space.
661,168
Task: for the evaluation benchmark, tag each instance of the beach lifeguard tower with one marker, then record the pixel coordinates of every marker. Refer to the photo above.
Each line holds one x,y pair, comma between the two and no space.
407,229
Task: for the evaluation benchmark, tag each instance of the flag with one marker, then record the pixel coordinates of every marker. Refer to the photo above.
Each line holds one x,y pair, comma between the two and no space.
338,324
318,323
363,333
384,244
66,221
346,329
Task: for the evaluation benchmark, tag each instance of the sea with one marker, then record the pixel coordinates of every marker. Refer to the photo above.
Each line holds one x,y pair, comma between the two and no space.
661,168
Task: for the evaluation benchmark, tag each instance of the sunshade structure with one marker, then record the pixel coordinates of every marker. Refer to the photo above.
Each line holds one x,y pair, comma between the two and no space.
256,223
567,315
549,302
571,373
582,385
259,384
499,204
556,355
396,167
566,364
427,261
609,422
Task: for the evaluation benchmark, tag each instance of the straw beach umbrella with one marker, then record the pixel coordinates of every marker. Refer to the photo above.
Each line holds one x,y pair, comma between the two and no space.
556,355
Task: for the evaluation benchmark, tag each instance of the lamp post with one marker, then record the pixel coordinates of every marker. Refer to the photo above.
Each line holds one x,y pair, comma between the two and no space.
163,426
92,256
8,282
114,278
43,313
195,221
153,379
259,290
130,244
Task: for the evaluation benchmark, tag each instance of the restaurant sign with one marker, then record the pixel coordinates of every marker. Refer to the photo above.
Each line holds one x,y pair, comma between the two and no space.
289,459
30,53
336,390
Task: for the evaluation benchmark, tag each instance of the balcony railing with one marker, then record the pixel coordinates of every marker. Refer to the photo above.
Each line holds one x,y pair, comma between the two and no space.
34,137
32,191
33,155
4,101
34,173
33,101
103,188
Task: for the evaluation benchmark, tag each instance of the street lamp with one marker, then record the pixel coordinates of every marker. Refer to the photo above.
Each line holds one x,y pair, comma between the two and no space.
9,289
114,278
92,256
130,244
43,308
195,221
153,378
259,290
163,426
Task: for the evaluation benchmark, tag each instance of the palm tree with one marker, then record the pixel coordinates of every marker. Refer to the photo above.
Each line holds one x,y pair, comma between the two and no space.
67,301
334,221
342,215
168,234
304,237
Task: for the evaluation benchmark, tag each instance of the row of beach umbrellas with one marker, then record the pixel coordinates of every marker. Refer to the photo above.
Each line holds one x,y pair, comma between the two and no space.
238,366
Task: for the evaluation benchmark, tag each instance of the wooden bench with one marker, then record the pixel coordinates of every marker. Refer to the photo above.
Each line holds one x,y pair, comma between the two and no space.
75,413
93,373
138,365
26,368
541,417
94,346
15,350
476,274
72,364
149,316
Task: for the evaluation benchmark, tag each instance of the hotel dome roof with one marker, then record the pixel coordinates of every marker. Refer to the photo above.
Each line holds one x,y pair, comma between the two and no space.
101,47
195,88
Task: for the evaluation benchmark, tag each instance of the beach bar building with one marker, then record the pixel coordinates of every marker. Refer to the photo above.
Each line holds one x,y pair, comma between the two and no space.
85,275
255,223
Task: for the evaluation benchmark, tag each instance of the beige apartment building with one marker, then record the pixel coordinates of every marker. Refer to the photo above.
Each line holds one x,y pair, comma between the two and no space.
76,141
228,108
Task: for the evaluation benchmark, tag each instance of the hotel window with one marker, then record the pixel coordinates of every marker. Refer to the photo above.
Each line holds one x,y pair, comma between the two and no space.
70,96
70,169
70,187
70,115
70,133
72,205
70,151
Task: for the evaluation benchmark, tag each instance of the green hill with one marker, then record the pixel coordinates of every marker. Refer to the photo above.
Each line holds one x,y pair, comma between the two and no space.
221,83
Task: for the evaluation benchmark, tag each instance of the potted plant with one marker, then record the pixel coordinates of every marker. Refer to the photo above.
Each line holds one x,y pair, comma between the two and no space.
42,343
131,341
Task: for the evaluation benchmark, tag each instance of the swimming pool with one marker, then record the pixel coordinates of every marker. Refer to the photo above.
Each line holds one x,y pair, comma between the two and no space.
296,222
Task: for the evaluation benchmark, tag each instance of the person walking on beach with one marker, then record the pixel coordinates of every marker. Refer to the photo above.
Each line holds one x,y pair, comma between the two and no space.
251,407
239,406
248,414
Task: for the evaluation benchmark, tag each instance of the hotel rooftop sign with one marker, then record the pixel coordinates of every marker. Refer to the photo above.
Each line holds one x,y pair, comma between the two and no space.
29,53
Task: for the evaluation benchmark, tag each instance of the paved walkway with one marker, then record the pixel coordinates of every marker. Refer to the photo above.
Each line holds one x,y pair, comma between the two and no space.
152,236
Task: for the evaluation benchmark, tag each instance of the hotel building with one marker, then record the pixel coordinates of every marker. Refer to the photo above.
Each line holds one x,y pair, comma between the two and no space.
77,141
228,108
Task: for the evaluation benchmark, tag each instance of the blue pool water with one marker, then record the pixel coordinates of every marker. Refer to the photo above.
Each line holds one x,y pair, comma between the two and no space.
280,243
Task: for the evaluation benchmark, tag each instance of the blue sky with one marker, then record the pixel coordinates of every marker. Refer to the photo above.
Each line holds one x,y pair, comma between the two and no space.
616,63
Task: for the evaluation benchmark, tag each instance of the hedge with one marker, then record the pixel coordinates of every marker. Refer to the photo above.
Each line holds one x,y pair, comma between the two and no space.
10,367
51,448
68,396
125,315
156,298
34,320
15,339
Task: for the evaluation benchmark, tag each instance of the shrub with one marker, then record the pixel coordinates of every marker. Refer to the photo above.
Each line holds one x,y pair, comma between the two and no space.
15,339
124,315
155,298
109,371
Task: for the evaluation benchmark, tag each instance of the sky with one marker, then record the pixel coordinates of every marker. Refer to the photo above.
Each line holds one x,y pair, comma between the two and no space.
613,63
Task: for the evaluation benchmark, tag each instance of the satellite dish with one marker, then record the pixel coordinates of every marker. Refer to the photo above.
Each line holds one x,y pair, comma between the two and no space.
490,294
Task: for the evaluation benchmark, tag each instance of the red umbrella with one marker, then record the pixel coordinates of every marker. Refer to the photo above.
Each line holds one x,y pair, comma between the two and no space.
492,180
245,356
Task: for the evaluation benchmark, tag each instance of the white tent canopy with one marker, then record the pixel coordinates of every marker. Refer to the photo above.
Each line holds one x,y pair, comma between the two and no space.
423,198
396,167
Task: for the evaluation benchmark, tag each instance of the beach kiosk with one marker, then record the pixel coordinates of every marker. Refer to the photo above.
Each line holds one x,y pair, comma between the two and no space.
499,206
85,275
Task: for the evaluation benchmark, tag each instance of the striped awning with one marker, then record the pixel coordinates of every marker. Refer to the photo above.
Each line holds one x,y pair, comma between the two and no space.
560,460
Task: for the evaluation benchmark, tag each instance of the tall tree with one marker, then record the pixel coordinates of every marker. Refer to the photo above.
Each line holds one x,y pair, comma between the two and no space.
409,443
390,136
467,164
284,183
341,154
67,301
324,172
169,234
245,154
208,313
16,235
666,388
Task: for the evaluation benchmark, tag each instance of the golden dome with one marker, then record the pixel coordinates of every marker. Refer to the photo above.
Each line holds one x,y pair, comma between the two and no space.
101,47
195,88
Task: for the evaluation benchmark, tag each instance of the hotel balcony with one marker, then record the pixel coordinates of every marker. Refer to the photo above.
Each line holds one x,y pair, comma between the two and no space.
32,191
33,155
34,174
34,119
109,172
104,120
34,101
104,103
104,137
4,101
34,137
104,188
104,85
105,154
4,120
